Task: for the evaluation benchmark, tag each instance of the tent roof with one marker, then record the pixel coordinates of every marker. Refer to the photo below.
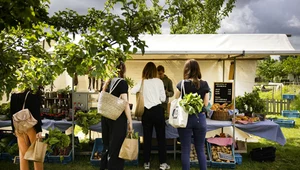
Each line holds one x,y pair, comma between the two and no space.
215,46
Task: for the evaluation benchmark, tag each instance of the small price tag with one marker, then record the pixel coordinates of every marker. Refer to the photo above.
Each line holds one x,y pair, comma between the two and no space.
224,156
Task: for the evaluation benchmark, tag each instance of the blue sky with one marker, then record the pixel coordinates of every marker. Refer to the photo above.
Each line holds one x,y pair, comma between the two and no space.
248,17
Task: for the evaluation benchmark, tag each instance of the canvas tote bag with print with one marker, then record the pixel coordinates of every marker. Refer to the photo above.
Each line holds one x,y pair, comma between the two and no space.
23,119
139,109
178,117
109,105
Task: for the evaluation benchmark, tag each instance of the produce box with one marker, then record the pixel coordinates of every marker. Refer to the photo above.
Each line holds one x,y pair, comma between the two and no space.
285,122
241,146
96,153
290,113
59,158
193,156
7,142
221,156
238,158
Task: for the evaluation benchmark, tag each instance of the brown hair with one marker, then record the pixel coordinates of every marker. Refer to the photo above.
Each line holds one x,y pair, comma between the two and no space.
160,68
121,74
149,71
122,69
192,71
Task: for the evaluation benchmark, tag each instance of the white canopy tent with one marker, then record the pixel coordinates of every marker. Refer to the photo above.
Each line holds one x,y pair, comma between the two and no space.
215,46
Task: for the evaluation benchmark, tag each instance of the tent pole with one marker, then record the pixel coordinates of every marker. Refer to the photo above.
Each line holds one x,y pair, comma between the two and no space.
73,126
223,70
234,92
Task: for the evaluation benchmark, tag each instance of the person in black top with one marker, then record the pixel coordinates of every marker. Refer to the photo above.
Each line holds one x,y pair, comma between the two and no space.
32,103
114,131
196,125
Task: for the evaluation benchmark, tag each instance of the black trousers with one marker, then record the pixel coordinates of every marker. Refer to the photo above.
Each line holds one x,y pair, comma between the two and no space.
154,117
113,135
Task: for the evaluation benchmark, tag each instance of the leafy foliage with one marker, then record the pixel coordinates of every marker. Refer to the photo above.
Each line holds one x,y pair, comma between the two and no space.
192,103
85,120
197,17
57,140
251,100
106,38
291,65
269,69
20,13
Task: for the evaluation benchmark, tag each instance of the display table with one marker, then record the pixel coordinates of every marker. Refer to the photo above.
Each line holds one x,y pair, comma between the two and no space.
265,129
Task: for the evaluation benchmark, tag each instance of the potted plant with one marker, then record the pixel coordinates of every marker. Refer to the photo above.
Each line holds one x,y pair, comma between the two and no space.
60,93
58,146
251,103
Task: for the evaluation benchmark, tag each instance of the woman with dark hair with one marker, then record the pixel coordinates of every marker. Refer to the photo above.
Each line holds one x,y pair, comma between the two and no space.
154,94
196,125
114,131
32,103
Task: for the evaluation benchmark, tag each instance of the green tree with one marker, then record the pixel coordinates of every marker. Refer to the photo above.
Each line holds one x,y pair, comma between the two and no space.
20,13
291,65
197,17
269,68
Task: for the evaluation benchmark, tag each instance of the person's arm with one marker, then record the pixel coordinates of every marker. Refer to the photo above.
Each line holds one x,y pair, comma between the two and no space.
136,88
170,91
177,94
162,92
127,111
206,99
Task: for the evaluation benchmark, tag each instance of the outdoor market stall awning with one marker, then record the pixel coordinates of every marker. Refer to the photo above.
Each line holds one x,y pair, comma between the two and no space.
215,46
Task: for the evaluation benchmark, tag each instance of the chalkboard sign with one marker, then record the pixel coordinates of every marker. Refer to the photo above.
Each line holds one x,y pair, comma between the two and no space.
222,92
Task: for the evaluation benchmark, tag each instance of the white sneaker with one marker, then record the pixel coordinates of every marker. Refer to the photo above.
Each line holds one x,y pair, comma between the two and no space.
147,165
164,166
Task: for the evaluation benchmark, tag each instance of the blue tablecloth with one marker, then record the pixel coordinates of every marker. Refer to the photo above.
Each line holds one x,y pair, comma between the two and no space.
265,129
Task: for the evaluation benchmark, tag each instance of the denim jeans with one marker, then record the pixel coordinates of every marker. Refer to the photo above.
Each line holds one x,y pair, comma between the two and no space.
196,126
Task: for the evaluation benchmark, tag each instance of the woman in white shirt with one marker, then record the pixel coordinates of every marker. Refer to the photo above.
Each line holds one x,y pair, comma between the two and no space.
154,94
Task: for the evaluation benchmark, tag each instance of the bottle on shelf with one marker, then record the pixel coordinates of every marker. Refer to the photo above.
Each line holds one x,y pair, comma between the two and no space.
59,107
54,107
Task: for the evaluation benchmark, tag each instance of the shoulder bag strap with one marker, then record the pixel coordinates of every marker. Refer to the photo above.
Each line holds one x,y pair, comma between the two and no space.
25,99
182,88
114,85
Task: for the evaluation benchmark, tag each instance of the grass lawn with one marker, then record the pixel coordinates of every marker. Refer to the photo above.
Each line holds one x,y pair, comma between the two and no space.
286,157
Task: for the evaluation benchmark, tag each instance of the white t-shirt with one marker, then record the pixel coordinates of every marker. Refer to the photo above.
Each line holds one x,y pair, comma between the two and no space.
153,92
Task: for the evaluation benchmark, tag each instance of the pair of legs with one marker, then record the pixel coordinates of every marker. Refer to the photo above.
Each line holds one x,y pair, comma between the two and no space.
154,117
93,80
196,126
113,135
24,141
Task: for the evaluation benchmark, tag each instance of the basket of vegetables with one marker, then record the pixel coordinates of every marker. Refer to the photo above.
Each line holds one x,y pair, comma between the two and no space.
220,112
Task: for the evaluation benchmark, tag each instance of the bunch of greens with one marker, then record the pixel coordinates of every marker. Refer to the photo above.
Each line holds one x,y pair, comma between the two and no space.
85,120
191,103
57,140
135,135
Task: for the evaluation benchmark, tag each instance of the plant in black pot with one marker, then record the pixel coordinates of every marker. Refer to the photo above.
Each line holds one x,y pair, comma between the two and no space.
251,103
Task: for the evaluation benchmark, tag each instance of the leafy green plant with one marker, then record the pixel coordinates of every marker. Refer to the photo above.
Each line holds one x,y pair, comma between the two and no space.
251,101
295,104
85,120
4,109
192,103
129,81
57,140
